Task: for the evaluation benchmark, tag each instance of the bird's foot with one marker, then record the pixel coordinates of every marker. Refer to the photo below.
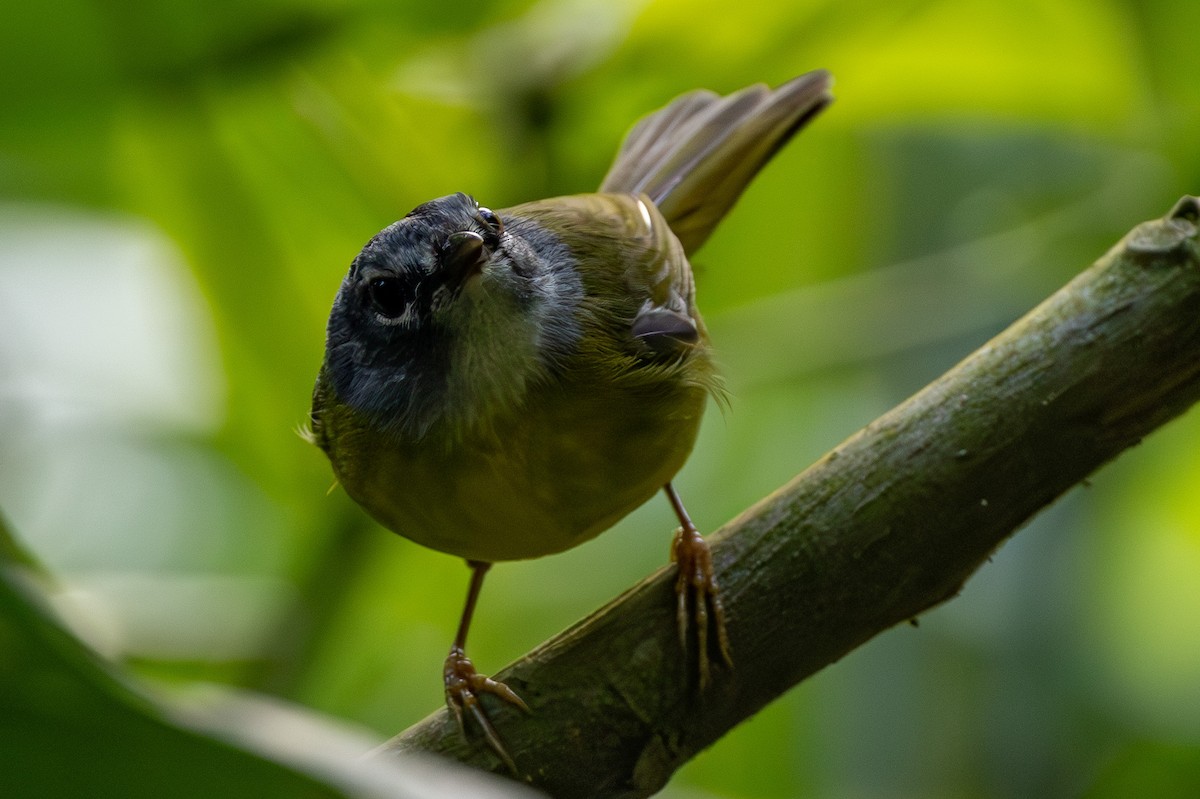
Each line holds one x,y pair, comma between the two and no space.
464,687
699,600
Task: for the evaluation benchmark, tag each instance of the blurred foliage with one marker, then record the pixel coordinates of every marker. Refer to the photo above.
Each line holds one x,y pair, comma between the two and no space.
72,728
183,184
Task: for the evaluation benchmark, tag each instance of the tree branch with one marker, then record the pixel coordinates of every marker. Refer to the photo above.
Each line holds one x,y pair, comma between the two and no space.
884,527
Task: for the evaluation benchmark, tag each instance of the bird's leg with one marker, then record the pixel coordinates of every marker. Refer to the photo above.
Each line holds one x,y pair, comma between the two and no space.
697,595
464,685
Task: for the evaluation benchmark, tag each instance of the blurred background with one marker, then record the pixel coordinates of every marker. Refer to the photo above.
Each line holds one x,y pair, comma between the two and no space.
183,185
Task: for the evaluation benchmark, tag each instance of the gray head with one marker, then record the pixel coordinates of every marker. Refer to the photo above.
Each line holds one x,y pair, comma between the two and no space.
447,316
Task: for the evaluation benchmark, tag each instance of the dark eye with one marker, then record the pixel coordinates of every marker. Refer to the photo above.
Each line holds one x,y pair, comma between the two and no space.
492,222
388,295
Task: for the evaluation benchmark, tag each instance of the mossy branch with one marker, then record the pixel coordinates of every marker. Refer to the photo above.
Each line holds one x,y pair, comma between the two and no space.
884,527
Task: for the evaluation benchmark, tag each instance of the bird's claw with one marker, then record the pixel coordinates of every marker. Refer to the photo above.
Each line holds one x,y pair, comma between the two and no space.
464,687
698,599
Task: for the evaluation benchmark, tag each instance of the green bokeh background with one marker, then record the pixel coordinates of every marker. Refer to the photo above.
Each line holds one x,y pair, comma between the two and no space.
182,185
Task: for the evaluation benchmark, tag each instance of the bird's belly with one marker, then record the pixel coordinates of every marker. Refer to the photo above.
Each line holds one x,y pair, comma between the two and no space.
542,484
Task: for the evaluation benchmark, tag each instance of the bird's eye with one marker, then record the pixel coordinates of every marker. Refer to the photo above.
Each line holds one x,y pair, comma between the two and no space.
388,296
492,222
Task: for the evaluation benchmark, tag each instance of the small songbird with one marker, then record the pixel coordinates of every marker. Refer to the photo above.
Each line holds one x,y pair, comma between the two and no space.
507,384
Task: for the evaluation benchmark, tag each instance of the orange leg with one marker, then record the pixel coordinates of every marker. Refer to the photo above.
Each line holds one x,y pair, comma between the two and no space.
696,591
464,685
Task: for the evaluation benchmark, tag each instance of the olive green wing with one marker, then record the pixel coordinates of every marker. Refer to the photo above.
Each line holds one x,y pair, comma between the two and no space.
637,281
667,321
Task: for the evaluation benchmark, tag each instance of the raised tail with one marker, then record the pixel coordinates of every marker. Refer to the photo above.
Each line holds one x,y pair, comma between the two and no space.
696,156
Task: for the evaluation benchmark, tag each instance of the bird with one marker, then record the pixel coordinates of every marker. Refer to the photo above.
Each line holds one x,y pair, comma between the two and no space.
506,384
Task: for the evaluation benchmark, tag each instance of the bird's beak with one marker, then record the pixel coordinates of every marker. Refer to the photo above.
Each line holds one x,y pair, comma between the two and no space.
465,257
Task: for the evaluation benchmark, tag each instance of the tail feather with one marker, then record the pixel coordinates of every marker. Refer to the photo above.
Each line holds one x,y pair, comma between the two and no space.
696,156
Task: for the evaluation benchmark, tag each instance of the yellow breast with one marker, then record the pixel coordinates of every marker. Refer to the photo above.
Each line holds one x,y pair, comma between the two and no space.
574,461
